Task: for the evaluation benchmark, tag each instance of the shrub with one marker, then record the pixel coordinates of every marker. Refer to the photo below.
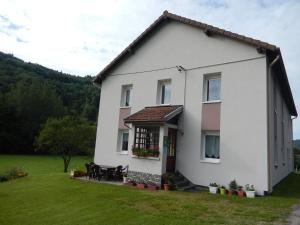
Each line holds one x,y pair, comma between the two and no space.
3,178
79,173
233,185
12,173
168,178
249,187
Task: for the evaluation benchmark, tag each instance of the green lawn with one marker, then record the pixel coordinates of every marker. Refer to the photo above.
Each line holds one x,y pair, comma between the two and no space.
48,196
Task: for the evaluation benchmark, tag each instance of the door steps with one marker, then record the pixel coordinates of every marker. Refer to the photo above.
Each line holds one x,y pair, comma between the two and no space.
181,183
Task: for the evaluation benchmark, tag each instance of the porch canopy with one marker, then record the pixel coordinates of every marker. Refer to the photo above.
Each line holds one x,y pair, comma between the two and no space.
156,114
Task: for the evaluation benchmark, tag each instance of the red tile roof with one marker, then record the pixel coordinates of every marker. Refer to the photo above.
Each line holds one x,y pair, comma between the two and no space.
158,114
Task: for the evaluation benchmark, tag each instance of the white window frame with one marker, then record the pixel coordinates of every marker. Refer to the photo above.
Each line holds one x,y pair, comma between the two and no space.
207,77
124,90
203,139
120,150
159,91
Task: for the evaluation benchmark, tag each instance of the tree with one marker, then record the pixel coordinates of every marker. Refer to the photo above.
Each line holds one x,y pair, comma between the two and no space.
33,102
66,136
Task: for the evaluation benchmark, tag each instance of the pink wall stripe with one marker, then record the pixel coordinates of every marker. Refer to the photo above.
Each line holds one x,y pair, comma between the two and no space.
211,116
124,112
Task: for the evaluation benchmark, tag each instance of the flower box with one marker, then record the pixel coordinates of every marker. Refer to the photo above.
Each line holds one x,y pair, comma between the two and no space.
143,152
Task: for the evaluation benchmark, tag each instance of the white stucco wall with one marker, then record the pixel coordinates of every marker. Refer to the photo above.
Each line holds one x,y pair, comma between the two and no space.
243,133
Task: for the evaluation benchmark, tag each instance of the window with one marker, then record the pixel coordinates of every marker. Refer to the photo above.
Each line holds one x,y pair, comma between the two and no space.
211,146
146,137
125,96
124,146
275,125
212,88
164,92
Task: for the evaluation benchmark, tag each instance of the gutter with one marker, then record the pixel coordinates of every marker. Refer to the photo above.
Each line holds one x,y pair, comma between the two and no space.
180,69
97,85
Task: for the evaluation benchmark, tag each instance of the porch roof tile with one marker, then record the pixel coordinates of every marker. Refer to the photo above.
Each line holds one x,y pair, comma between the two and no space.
153,114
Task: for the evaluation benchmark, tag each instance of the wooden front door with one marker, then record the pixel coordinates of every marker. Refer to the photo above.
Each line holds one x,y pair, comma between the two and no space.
171,154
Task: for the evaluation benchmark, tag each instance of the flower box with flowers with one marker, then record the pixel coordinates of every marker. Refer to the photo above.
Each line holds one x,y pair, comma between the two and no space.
146,152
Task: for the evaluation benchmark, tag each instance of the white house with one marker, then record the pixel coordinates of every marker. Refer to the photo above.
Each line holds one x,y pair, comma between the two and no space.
189,97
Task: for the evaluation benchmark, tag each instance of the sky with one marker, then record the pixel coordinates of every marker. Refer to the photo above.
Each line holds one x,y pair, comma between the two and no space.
82,37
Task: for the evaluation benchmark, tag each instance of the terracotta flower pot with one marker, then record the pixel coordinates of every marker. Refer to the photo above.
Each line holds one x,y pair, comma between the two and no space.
131,183
140,185
152,187
231,192
167,187
241,193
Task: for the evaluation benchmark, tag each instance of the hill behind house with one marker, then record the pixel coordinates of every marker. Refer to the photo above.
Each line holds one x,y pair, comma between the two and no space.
31,93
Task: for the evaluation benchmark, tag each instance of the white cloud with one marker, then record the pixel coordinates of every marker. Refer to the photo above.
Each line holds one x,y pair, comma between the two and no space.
81,37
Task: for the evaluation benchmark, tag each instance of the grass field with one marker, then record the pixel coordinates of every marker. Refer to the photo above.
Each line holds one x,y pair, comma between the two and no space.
48,196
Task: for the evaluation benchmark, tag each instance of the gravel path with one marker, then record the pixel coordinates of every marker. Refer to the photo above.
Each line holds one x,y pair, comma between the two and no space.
294,217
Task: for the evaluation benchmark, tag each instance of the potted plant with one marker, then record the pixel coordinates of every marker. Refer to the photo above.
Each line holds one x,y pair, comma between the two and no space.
152,186
222,190
140,185
250,191
131,183
240,191
232,188
213,188
167,181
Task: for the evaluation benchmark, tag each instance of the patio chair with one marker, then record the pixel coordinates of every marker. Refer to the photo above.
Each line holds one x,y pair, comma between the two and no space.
117,173
89,170
125,170
98,173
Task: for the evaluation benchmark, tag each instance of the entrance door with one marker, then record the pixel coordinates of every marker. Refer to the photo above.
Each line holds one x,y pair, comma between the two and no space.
171,154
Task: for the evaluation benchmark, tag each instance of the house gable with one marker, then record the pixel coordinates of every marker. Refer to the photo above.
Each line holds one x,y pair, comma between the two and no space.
177,41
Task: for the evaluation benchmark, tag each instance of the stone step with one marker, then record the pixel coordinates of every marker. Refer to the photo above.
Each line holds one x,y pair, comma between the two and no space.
182,183
187,188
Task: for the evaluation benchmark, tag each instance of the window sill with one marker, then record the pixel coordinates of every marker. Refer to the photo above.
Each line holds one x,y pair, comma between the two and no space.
123,153
150,158
211,102
214,161
125,107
